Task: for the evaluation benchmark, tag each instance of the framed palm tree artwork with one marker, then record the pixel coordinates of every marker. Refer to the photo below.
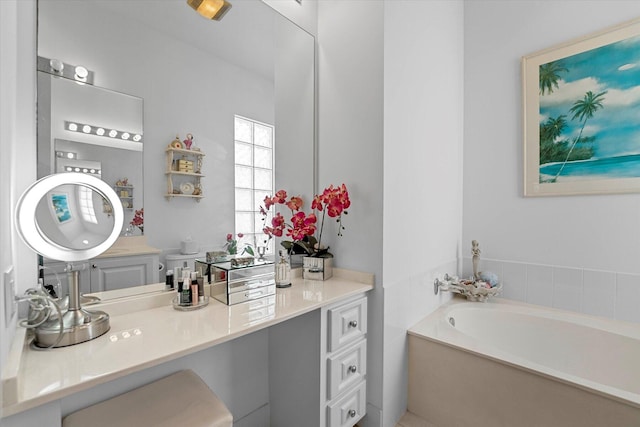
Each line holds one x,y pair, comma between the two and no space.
582,115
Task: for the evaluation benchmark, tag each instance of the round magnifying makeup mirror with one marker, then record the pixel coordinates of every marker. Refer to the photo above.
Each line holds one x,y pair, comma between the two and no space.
70,217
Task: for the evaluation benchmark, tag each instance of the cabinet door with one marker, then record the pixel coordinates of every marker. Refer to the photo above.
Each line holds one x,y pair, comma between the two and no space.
115,273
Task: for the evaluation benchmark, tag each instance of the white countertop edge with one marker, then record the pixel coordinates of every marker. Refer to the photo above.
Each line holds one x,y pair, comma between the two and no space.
13,406
12,368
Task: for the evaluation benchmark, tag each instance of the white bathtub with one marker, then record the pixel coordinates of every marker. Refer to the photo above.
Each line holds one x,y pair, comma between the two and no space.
558,368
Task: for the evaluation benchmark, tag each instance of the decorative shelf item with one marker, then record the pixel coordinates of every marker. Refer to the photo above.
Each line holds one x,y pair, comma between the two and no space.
184,171
125,192
126,197
479,287
473,290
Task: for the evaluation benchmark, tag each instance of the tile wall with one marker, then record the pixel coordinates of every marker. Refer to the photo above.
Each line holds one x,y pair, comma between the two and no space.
600,293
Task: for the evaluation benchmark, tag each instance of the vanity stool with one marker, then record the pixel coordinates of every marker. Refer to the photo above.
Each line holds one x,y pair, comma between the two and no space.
181,399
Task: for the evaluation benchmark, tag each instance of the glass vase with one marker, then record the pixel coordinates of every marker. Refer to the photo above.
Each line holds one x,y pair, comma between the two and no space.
283,272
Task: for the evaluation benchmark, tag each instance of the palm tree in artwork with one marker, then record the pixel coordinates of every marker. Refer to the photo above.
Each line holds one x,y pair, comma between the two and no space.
553,128
549,76
583,110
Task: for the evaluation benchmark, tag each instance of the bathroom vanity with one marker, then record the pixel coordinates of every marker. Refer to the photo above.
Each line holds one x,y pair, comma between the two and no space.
315,349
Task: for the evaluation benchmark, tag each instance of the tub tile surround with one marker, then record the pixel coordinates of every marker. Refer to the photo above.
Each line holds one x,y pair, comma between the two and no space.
409,298
600,293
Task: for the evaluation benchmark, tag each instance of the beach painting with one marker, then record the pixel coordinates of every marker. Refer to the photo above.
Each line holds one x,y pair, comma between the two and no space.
582,115
60,204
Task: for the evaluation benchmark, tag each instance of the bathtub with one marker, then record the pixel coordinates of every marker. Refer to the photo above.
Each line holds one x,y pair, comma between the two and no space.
504,363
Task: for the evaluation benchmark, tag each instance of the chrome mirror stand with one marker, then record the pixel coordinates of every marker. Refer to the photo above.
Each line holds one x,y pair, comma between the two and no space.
78,325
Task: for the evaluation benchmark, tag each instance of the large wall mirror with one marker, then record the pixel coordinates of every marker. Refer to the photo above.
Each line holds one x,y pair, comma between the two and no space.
162,64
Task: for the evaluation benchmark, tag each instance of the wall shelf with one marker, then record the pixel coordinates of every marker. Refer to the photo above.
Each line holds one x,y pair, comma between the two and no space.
183,172
168,196
125,193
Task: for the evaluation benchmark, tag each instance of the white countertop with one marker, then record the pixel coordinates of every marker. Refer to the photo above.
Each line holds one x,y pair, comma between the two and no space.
145,338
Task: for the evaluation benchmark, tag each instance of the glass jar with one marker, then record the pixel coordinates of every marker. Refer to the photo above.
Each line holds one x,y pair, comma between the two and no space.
283,272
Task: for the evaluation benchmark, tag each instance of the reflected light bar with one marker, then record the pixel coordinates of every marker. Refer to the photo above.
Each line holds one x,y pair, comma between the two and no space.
81,73
210,9
102,131
66,155
83,170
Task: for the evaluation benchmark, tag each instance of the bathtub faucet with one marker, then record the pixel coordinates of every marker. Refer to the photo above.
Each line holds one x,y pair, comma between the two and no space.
444,284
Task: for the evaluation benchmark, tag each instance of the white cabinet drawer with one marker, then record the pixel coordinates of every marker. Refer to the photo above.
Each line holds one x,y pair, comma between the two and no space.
347,323
348,410
346,369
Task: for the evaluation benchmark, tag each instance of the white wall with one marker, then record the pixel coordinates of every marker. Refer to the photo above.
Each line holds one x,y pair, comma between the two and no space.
568,252
17,142
423,120
350,39
390,127
303,14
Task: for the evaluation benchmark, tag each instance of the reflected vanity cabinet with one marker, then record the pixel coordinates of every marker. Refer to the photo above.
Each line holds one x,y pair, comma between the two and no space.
106,273
184,172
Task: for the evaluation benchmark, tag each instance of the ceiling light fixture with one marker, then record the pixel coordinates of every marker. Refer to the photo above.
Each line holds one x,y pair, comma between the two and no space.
210,9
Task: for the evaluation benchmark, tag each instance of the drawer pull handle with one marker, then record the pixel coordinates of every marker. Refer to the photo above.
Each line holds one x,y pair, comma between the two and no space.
353,369
353,323
352,413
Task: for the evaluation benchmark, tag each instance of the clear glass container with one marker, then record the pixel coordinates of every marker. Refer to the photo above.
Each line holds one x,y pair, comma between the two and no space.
283,272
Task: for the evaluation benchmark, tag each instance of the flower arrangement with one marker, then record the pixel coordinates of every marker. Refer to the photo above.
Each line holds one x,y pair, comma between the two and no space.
138,220
232,245
333,202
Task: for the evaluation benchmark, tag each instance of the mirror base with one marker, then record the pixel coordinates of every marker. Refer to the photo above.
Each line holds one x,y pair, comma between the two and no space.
79,326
